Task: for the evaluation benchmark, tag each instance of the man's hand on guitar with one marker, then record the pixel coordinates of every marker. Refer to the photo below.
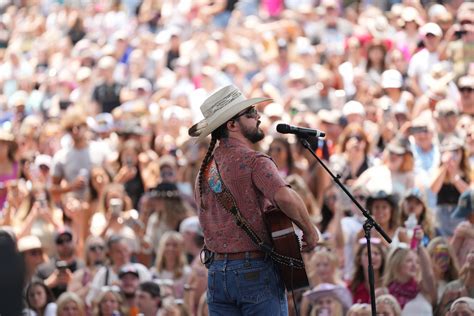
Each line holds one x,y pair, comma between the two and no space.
309,241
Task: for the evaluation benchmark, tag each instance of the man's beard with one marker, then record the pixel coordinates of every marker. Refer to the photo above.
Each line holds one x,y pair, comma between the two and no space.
253,135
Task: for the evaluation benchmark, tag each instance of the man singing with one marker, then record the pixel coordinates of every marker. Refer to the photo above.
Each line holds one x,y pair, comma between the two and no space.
242,280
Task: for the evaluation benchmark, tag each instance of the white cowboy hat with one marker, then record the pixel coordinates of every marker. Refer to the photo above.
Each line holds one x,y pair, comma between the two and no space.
220,107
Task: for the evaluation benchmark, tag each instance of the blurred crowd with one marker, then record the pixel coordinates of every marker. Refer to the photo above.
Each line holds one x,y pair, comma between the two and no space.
97,170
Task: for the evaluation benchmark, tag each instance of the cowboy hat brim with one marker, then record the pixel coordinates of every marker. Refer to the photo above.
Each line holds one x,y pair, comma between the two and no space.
208,125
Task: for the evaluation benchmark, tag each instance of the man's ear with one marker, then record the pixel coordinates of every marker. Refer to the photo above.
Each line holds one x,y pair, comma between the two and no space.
231,125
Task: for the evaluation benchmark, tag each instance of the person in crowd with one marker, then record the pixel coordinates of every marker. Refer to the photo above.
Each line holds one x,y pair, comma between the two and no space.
359,285
359,309
119,254
376,61
8,163
463,239
191,231
37,213
387,304
425,149
409,278
466,88
108,302
323,267
196,282
149,298
326,299
462,306
395,174
94,258
384,208
168,209
330,224
280,151
171,261
129,280
40,300
129,173
57,272
414,206
73,164
298,183
447,117
463,286
352,157
445,266
70,304
12,274
32,252
423,60
450,180
107,93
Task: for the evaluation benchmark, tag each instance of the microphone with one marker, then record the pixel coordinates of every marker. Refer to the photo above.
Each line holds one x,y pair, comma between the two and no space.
299,131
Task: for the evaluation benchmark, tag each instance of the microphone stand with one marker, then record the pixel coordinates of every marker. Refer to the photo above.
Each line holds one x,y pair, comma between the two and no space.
368,225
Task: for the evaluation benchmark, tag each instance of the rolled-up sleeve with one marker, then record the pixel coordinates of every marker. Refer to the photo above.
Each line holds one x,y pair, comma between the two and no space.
266,178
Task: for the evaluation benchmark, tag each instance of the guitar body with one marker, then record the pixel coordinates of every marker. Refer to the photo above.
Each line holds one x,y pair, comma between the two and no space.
285,242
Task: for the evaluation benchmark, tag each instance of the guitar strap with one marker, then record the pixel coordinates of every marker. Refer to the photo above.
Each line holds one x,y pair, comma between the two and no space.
227,201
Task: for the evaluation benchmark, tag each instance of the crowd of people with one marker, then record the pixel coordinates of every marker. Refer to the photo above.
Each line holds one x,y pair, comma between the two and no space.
97,169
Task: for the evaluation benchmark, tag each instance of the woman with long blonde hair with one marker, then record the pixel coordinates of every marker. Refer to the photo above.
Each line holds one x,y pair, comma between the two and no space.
171,261
409,278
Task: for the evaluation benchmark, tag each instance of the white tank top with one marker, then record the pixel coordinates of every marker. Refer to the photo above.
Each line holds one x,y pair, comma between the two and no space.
418,306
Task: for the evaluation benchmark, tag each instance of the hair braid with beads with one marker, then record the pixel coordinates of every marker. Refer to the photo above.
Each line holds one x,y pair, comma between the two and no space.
218,134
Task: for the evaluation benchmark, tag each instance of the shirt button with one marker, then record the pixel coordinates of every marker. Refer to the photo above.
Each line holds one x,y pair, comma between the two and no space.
225,245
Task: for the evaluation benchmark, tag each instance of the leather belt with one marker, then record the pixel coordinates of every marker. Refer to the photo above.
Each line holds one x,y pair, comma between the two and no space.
255,254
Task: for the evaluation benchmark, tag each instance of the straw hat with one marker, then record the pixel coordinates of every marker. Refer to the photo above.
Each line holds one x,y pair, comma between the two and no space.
220,107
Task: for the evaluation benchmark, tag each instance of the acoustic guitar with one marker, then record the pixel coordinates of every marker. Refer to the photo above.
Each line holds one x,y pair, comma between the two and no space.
286,244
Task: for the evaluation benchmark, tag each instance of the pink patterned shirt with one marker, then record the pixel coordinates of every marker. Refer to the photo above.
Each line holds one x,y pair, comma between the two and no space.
253,179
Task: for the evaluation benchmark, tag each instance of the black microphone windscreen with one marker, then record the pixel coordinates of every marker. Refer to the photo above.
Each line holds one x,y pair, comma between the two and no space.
283,128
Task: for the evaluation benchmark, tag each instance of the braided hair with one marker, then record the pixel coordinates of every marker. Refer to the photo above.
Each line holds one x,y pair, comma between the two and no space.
218,134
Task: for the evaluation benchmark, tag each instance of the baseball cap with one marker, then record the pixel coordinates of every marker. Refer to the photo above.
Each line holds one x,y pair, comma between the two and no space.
465,205
353,107
431,28
191,224
62,232
392,79
128,269
445,107
43,160
28,242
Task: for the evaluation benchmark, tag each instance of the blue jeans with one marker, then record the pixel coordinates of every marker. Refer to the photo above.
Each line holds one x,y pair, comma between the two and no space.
245,287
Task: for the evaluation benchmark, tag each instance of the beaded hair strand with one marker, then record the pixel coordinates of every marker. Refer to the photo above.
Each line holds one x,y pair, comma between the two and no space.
204,164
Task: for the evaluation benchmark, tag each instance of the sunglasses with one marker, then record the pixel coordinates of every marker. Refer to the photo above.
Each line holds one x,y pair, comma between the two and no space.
357,137
466,89
249,113
34,252
96,248
72,128
63,241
